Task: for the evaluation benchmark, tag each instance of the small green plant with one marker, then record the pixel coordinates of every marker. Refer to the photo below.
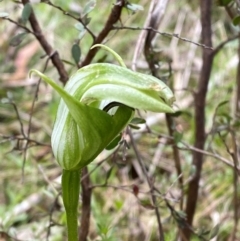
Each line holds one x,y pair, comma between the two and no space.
96,104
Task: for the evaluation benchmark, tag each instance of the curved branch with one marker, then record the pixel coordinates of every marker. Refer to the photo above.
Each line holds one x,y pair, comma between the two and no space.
222,45
112,19
86,205
70,15
47,47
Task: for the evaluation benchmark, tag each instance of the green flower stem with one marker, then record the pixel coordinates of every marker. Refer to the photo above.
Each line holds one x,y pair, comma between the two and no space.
70,193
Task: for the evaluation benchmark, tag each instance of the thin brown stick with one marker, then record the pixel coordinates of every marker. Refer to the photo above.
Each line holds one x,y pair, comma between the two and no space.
30,120
188,147
170,35
156,17
206,153
20,25
237,103
200,99
181,221
51,222
47,47
150,184
86,205
112,19
176,155
141,39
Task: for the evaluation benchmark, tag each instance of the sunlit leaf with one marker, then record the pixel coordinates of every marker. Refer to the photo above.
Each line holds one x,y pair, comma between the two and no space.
79,26
88,7
3,15
81,29
134,7
81,34
4,100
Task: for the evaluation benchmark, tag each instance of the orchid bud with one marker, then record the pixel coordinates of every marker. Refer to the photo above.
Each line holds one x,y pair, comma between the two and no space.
84,125
81,131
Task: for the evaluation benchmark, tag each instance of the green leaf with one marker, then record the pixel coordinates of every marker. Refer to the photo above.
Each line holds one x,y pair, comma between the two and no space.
214,232
81,34
177,113
222,103
134,7
81,30
177,136
236,20
223,3
79,26
27,10
3,15
17,39
181,214
114,143
109,172
86,20
146,203
68,62
137,121
88,7
76,53
134,127
236,124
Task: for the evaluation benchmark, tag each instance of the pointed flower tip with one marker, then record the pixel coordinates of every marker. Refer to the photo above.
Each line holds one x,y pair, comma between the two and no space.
31,72
115,55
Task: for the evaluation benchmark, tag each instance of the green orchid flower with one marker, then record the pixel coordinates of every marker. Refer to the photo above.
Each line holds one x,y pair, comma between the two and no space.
96,104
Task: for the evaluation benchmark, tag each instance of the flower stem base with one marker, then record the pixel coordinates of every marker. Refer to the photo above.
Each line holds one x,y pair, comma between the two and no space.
70,193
